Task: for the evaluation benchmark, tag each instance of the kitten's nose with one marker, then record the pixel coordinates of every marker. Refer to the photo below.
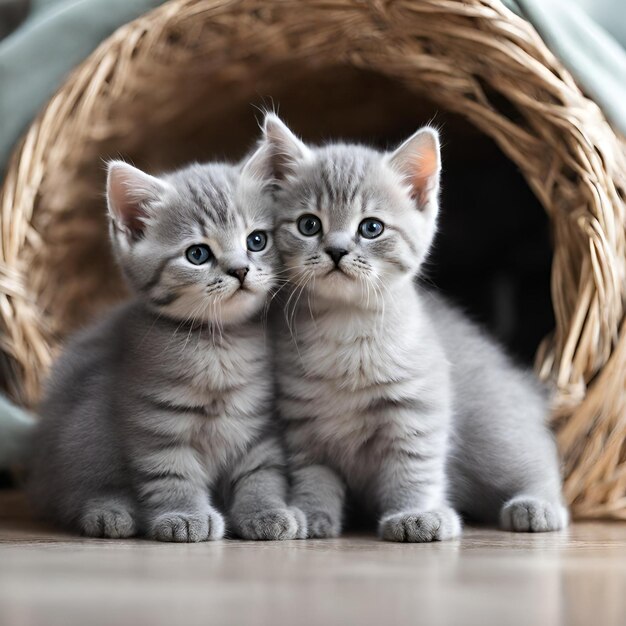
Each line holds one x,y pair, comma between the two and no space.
335,254
239,272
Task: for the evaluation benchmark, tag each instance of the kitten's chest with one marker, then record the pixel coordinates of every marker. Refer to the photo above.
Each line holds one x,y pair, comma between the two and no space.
212,394
208,389
354,354
355,391
216,369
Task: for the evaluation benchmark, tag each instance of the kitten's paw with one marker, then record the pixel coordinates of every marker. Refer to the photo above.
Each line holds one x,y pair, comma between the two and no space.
421,527
187,527
303,527
113,520
322,525
527,514
273,524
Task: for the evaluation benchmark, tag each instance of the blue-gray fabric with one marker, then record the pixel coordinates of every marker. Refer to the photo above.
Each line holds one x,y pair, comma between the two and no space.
15,429
589,36
34,59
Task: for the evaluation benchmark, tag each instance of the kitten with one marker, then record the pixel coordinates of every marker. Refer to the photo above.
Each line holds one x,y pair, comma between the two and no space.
167,400
388,390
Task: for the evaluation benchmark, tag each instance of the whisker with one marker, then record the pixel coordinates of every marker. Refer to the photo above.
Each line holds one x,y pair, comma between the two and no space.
302,278
307,277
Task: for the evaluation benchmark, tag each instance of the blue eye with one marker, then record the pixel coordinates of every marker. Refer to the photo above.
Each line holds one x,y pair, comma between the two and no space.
257,241
198,254
309,225
371,228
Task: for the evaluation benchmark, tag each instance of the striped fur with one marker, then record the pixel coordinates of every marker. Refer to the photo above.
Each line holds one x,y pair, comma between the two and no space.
161,413
389,392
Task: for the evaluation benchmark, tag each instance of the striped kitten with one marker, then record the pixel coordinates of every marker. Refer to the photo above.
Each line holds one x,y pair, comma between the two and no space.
165,403
390,391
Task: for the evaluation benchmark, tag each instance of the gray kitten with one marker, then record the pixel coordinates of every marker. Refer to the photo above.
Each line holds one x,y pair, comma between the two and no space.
388,390
167,401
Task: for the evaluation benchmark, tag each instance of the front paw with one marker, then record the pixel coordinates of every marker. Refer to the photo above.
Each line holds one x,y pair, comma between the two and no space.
527,514
187,527
322,525
421,527
112,520
272,525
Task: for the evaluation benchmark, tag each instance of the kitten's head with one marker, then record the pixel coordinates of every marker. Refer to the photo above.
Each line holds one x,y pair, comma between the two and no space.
196,244
352,221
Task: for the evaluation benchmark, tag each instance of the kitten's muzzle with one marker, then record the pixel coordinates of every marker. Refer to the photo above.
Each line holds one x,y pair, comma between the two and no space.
336,254
239,272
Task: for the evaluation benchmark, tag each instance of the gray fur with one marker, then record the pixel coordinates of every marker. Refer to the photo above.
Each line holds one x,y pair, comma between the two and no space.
388,391
161,411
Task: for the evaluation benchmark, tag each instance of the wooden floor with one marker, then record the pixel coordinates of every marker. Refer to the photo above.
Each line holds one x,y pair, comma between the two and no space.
488,577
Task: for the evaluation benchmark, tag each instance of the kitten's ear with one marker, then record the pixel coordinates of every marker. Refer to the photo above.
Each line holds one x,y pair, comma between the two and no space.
259,165
418,160
129,190
279,152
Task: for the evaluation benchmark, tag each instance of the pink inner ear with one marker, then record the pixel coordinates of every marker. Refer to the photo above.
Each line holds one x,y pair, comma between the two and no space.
428,163
417,159
425,170
128,190
127,209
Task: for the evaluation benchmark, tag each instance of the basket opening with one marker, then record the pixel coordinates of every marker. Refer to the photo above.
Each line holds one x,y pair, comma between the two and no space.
492,255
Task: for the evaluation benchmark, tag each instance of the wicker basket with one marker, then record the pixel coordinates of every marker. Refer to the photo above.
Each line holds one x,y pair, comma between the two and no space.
176,84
